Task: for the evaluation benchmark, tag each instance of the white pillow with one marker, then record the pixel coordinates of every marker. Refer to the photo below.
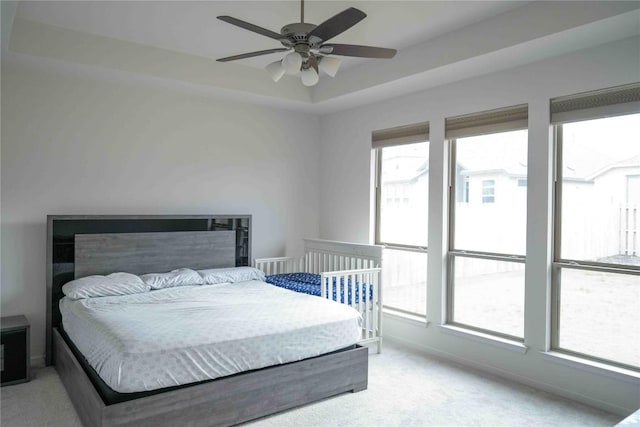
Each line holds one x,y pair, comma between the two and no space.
214,276
179,277
104,286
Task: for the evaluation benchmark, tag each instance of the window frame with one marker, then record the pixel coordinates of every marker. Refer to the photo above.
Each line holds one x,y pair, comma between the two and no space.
560,263
452,253
378,204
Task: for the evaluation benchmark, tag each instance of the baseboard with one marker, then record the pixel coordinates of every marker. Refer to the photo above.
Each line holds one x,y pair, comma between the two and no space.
37,361
447,357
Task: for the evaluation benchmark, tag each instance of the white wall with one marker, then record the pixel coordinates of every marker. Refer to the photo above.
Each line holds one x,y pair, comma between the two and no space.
346,183
72,145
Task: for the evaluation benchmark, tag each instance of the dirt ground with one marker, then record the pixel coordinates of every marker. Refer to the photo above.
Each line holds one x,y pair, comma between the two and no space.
600,313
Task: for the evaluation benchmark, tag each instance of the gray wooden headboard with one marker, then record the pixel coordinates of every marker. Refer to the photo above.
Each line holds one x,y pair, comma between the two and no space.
82,245
140,253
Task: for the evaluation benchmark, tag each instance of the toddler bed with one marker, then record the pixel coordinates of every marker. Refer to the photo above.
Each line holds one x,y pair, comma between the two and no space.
348,273
309,283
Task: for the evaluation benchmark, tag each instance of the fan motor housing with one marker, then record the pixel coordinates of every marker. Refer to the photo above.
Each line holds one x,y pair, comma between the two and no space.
297,32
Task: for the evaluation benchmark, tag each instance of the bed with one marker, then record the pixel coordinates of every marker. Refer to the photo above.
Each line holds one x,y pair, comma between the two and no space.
239,391
350,274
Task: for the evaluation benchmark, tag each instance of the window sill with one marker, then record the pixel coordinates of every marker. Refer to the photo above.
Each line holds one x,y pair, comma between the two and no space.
507,344
594,367
414,319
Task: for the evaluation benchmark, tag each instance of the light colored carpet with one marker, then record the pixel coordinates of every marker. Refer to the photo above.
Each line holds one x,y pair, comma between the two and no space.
406,388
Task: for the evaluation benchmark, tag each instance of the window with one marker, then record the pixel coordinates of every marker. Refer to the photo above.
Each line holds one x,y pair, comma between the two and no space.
596,276
489,294
487,235
522,182
633,190
466,190
488,191
402,189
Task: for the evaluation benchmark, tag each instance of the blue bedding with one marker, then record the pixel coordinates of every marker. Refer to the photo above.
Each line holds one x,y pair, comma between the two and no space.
309,283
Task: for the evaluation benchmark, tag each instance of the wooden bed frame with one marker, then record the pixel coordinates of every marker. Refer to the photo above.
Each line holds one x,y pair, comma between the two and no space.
224,401
338,262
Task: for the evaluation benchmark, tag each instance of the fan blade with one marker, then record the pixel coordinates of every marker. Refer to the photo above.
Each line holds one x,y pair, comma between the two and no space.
337,24
251,27
357,50
252,54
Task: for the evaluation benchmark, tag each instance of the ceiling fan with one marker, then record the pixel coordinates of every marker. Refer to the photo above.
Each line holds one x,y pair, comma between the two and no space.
307,46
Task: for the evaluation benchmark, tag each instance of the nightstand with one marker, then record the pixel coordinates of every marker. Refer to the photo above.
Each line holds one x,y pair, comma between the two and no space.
14,350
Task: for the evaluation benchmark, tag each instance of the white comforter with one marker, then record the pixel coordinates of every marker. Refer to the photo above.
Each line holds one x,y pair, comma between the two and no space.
187,334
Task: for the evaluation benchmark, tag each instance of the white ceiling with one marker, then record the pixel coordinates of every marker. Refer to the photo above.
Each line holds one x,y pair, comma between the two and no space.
191,26
178,41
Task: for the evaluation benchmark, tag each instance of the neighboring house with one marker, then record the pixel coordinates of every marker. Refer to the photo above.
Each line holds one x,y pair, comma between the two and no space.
406,185
613,201
491,199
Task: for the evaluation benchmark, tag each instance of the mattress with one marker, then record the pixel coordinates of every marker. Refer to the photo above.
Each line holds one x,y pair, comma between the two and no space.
181,335
309,283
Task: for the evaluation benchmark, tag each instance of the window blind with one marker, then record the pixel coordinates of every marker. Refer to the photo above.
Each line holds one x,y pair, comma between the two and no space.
409,134
596,104
492,121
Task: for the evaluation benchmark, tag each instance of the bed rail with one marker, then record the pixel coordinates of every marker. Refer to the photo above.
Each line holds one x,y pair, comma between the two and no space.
367,303
329,255
279,265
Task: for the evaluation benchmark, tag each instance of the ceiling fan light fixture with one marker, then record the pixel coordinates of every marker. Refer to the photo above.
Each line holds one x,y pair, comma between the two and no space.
275,70
292,62
307,45
309,76
329,65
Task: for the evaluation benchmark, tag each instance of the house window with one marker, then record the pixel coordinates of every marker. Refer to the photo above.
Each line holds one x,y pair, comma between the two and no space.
633,190
488,191
487,235
402,159
596,275
522,182
466,190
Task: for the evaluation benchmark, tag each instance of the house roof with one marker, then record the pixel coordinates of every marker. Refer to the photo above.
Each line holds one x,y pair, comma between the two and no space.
505,152
631,162
582,162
